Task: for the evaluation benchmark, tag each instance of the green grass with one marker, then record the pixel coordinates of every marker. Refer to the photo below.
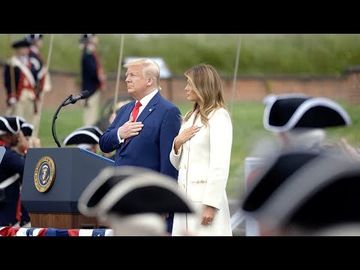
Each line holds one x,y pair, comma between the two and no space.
247,130
260,54
69,119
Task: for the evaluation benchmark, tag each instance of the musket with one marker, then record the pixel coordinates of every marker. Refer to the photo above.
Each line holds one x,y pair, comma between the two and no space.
11,69
118,73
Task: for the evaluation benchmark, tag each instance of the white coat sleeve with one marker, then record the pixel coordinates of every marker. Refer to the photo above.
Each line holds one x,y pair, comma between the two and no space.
220,152
175,158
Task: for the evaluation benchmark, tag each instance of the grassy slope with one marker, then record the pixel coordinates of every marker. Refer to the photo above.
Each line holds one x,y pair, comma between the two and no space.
247,129
260,54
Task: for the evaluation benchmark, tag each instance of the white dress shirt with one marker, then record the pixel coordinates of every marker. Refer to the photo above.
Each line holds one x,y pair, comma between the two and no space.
144,101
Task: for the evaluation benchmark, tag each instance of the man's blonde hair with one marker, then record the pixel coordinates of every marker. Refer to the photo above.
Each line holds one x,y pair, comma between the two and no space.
149,67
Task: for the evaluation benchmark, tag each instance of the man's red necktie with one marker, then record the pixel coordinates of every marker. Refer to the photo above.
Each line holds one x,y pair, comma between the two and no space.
134,115
135,111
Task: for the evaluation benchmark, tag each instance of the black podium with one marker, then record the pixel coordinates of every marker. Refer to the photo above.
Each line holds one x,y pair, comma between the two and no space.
54,179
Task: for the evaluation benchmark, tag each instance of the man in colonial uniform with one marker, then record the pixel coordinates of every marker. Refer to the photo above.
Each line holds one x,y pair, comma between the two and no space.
12,213
20,83
93,77
41,74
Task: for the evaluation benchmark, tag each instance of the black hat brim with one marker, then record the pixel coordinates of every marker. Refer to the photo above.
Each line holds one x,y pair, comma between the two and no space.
283,113
81,137
129,191
273,176
324,192
21,44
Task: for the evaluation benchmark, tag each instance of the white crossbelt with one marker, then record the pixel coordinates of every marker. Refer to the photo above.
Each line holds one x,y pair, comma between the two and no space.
7,182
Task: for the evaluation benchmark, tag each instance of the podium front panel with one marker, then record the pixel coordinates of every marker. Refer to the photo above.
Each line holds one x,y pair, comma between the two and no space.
74,169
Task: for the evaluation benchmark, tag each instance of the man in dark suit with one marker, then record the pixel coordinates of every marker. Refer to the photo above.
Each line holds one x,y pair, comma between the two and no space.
144,129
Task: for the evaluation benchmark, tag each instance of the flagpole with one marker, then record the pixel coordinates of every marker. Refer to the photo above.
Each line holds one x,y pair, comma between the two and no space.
118,72
235,73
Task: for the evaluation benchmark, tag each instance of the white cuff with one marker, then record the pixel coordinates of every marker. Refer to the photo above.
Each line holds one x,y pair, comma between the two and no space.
175,158
119,138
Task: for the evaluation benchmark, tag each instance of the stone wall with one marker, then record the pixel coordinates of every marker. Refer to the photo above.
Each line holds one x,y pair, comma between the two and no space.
248,88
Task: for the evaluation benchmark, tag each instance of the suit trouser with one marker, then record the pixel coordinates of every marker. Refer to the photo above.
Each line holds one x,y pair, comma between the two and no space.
91,111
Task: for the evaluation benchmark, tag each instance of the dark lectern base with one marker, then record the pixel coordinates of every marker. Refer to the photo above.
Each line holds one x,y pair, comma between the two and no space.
63,221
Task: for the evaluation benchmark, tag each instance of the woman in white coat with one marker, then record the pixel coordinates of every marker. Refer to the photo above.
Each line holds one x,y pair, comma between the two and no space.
201,152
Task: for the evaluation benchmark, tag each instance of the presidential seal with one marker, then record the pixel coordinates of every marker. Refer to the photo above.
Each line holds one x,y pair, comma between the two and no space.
44,174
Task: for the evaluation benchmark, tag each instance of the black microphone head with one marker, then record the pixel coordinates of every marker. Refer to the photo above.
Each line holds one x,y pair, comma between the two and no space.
85,94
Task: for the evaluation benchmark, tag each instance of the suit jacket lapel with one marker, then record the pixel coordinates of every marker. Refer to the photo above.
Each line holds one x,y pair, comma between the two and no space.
150,107
124,119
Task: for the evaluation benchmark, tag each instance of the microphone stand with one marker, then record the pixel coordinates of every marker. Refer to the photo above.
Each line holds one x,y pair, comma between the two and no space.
66,102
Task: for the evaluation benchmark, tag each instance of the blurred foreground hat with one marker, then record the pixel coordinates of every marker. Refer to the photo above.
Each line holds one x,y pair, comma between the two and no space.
10,124
273,175
34,37
131,190
133,200
84,135
23,43
289,111
323,193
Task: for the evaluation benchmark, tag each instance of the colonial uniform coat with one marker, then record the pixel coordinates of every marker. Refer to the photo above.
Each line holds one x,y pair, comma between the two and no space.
43,83
11,172
20,83
92,75
203,163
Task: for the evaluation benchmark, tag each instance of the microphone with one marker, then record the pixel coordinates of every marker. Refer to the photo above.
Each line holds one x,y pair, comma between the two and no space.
84,94
73,99
69,100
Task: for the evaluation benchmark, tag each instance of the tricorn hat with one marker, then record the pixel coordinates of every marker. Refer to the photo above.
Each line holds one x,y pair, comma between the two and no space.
322,193
34,37
272,175
128,190
10,124
85,37
289,111
84,135
23,43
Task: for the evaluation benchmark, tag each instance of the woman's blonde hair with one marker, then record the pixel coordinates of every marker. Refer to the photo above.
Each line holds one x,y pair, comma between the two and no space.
207,85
